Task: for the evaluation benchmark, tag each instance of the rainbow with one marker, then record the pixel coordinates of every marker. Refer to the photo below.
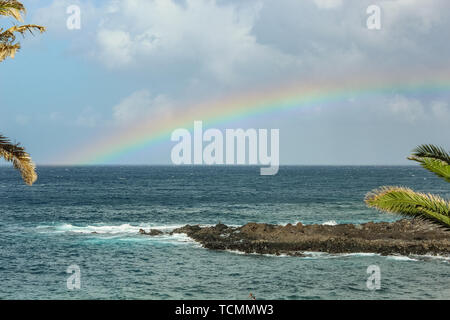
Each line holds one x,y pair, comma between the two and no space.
251,103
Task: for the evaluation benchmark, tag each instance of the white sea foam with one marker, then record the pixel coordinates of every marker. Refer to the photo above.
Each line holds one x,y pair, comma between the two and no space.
360,254
256,254
104,229
401,258
330,223
311,254
432,257
123,232
325,255
236,252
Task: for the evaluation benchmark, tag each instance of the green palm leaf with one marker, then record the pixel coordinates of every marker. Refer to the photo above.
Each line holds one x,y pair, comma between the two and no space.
406,202
432,151
434,159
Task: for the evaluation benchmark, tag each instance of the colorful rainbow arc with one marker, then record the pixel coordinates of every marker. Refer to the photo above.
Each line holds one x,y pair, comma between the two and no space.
152,130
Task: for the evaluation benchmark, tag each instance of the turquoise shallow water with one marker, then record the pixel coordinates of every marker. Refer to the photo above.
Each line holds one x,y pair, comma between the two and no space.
50,226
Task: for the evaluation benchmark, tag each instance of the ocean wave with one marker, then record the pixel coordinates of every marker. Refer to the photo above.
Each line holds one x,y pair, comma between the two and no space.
325,255
104,229
256,254
432,257
330,223
309,254
401,258
124,232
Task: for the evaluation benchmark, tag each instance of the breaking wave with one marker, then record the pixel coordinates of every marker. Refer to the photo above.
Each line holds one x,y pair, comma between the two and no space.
104,229
330,223
123,232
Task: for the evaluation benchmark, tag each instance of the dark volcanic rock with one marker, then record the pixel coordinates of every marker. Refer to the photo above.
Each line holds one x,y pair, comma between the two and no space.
152,232
402,237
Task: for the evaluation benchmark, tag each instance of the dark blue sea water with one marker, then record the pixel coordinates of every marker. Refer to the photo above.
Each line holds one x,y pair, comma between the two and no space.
48,227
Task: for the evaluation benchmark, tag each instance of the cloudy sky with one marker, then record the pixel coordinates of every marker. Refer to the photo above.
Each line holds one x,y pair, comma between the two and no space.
135,59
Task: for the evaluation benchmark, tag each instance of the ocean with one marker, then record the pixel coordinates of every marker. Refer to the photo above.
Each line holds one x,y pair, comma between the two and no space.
90,217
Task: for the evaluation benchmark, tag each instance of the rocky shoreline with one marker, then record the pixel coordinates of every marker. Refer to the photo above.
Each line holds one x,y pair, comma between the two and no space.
404,237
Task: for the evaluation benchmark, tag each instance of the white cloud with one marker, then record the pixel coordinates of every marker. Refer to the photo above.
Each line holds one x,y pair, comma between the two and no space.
441,110
54,17
88,118
408,109
116,47
412,110
141,104
198,50
417,15
206,40
231,44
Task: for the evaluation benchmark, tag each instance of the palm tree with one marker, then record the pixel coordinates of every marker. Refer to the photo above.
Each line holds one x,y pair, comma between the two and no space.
19,158
406,202
8,47
8,44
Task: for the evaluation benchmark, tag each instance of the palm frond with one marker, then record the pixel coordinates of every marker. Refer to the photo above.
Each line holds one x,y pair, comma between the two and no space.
20,159
26,28
12,8
434,159
438,167
431,151
8,50
406,202
8,46
7,38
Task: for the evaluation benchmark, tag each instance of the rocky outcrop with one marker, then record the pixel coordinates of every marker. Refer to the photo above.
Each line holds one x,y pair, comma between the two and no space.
152,232
403,237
